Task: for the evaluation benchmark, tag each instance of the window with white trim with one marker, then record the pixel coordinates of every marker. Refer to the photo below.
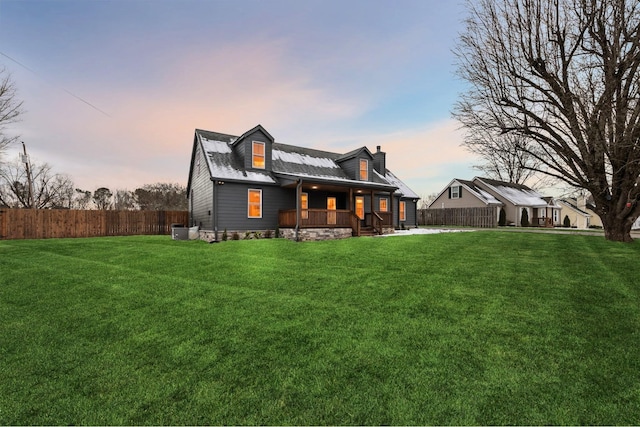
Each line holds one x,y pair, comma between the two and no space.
254,203
455,192
403,211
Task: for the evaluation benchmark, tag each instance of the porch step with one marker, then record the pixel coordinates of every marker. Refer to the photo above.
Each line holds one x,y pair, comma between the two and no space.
367,231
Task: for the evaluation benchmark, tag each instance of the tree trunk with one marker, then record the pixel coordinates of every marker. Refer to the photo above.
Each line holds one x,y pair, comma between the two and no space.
616,230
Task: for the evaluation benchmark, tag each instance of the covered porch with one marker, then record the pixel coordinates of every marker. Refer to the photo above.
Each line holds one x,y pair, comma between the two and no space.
366,209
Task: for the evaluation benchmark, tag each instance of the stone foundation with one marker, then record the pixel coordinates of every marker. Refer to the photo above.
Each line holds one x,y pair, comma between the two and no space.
304,234
209,235
315,234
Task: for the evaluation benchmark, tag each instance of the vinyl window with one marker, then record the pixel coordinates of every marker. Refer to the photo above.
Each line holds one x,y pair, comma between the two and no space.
254,203
257,156
384,206
364,170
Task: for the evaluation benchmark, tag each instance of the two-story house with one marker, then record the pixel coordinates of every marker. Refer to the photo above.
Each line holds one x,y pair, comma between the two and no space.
251,183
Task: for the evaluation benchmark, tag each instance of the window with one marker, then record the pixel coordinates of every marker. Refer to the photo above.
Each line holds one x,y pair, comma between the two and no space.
257,155
383,205
364,170
304,205
403,211
255,204
455,192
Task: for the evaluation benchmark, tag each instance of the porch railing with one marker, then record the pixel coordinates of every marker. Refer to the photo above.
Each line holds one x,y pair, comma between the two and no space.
310,218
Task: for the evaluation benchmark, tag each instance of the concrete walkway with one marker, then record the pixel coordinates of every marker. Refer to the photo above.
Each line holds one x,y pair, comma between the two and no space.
635,234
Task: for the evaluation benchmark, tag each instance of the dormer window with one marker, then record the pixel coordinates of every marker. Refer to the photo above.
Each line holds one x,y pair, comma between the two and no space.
364,170
257,155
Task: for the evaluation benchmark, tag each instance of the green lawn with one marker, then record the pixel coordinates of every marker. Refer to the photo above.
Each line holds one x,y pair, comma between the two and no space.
485,327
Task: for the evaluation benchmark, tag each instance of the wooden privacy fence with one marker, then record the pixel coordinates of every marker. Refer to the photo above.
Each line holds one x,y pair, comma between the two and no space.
52,223
464,217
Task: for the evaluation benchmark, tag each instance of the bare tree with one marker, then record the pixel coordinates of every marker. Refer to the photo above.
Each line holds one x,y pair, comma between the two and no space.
563,76
124,200
48,189
426,200
102,198
82,198
10,109
502,154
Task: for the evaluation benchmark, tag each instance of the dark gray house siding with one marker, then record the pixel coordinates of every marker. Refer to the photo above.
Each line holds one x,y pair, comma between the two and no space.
411,206
233,205
201,191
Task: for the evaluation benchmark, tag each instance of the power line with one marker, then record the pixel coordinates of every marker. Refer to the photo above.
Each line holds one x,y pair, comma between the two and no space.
54,85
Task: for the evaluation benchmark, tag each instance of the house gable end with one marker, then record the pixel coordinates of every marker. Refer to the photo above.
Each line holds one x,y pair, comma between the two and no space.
467,195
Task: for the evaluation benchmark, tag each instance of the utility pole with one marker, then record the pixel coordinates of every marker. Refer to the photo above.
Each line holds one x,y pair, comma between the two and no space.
25,160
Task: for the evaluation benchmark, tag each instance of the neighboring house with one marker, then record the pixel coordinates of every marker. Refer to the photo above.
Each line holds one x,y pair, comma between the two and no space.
513,198
587,205
578,218
460,193
250,183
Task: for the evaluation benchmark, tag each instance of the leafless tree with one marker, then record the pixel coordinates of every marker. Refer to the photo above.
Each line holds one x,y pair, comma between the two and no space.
502,155
82,199
48,189
563,76
124,200
10,109
426,200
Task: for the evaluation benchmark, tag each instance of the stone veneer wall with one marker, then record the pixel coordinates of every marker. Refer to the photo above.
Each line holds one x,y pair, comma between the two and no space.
304,234
314,234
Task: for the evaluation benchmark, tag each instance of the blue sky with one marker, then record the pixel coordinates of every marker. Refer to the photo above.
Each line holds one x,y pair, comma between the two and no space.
114,89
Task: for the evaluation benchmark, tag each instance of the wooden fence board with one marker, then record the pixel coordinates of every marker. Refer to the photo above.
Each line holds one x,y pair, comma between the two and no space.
463,217
56,223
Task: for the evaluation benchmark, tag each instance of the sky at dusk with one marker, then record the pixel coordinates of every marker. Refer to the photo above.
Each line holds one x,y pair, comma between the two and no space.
114,89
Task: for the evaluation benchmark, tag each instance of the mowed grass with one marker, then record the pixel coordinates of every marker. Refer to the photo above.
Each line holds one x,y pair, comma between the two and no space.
485,327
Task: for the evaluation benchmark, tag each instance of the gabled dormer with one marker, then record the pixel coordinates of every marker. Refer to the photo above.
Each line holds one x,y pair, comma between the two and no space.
255,147
357,164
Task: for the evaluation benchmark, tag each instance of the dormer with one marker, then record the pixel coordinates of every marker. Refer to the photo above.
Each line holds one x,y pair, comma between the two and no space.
357,164
255,148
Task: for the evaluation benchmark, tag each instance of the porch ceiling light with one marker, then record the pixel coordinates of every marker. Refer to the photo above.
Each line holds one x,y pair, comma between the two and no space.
314,187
